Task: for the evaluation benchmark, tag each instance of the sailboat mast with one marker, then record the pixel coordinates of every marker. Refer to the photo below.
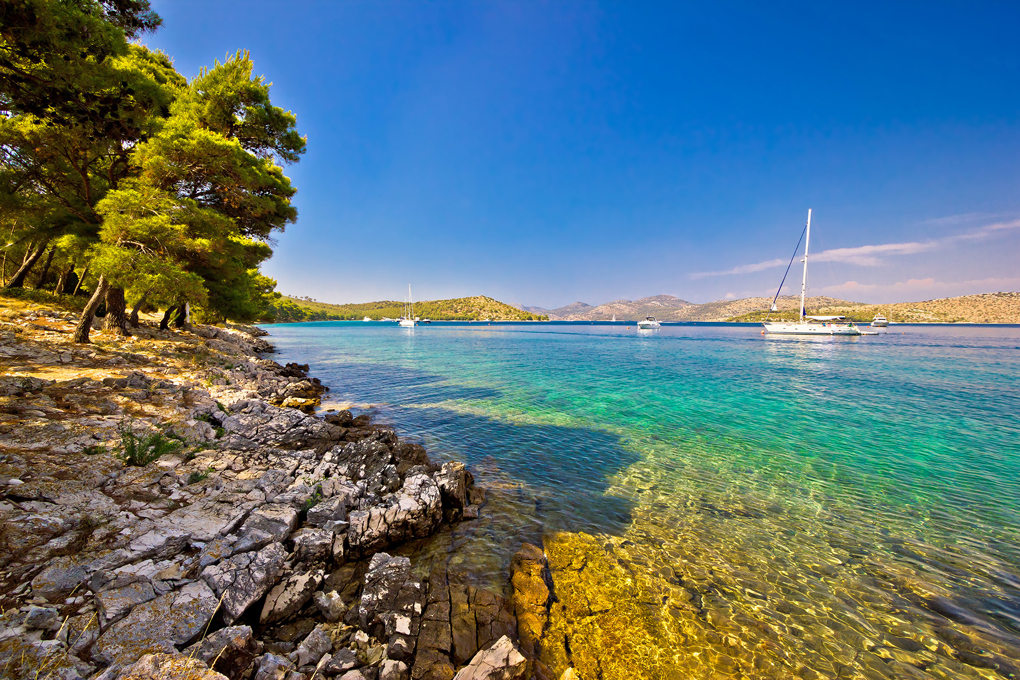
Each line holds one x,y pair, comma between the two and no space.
803,283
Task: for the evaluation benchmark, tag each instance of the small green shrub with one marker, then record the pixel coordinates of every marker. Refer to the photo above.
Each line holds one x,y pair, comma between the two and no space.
94,450
140,451
315,499
196,476
204,417
221,407
220,432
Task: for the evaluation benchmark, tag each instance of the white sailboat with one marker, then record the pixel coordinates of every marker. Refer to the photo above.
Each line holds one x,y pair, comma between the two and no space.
809,325
408,320
614,318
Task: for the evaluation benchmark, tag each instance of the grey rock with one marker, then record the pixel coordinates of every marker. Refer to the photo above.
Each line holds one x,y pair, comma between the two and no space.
273,667
157,626
313,647
45,618
313,545
206,520
244,579
59,578
392,669
115,603
260,424
275,519
502,661
407,456
343,661
330,605
228,651
333,508
360,460
161,543
167,667
413,512
391,604
288,596
452,480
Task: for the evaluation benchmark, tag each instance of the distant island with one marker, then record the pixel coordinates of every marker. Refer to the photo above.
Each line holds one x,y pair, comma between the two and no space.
983,308
288,309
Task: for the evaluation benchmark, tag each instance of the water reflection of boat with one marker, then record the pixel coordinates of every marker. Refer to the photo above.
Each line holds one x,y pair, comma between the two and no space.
808,325
648,323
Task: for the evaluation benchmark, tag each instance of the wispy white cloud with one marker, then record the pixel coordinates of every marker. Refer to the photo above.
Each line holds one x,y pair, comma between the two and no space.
871,255
868,256
965,218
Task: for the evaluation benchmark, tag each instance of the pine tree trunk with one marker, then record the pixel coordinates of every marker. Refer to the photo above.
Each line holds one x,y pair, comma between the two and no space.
137,308
164,323
181,321
46,268
116,311
81,331
18,280
64,282
81,280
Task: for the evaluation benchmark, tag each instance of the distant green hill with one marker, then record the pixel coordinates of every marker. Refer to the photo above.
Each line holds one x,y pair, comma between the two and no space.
287,309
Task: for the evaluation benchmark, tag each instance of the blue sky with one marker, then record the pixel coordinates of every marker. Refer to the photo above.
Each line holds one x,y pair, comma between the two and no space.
542,153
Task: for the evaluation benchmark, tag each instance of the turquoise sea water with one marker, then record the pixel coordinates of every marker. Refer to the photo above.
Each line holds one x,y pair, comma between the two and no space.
859,498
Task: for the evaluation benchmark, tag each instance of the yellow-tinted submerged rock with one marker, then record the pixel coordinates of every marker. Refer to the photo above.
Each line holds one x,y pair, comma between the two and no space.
606,621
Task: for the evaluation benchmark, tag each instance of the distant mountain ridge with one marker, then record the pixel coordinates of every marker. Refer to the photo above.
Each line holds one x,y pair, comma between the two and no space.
983,308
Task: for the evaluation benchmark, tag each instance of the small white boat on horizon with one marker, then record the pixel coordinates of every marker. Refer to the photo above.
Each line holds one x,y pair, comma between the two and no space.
367,318
648,323
808,325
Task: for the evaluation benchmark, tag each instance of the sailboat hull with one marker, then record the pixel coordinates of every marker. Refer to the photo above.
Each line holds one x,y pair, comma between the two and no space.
811,329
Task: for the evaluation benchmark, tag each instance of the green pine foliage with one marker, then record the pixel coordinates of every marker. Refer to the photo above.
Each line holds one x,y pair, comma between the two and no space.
125,174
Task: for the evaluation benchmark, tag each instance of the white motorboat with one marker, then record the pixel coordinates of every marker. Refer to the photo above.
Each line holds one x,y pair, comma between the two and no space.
367,318
808,325
408,320
879,321
648,323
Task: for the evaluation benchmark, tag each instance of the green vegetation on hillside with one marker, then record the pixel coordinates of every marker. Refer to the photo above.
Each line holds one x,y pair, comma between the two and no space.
286,309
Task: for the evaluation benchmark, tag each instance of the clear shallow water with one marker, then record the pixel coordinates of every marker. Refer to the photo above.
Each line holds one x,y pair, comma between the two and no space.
845,507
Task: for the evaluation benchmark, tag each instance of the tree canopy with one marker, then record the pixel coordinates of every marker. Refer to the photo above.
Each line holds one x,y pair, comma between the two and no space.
163,190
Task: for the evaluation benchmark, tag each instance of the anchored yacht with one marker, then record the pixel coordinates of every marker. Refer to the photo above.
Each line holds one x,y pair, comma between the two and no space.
648,323
808,325
408,320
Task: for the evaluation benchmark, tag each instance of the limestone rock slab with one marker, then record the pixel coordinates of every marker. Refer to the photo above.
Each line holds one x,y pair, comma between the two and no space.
244,579
157,626
502,661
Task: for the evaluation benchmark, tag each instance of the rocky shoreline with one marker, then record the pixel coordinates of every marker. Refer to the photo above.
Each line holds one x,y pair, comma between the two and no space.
172,506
